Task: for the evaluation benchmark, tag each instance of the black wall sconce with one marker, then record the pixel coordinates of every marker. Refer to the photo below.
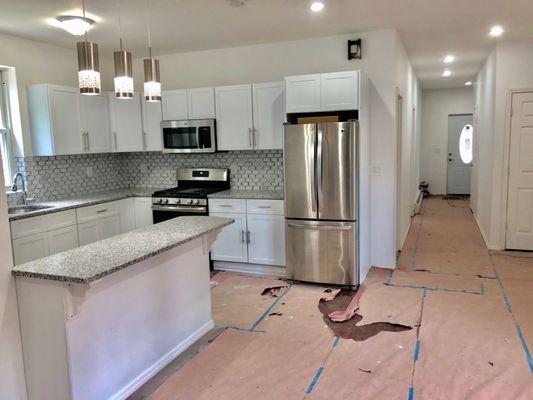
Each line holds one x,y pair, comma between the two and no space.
354,49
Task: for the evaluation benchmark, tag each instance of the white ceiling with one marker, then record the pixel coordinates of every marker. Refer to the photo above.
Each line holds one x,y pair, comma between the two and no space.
430,29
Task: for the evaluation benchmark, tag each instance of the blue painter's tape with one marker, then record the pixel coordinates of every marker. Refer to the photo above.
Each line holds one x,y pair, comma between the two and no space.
425,292
269,309
411,393
506,300
315,380
336,341
439,289
526,349
417,350
236,328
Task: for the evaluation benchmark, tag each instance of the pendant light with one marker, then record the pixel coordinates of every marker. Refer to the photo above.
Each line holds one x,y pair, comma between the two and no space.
123,68
152,80
88,67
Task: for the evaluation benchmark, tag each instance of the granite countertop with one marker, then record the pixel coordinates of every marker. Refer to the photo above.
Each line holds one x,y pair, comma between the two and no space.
249,194
93,261
86,200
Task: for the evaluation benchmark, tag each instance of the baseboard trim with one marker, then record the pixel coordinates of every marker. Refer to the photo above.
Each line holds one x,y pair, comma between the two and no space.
148,373
253,269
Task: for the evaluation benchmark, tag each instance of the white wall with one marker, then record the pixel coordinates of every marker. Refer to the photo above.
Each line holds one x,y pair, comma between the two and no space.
508,68
37,62
437,105
12,383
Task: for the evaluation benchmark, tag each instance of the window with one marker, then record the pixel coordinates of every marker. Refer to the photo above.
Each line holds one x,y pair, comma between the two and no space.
465,144
5,132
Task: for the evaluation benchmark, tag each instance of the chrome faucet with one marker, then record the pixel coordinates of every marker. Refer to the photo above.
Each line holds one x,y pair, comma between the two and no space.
14,187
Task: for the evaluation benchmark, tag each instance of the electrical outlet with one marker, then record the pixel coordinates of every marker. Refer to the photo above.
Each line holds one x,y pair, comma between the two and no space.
90,172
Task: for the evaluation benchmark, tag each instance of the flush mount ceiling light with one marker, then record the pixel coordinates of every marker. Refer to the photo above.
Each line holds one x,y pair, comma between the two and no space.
316,6
446,73
152,80
88,65
496,31
449,59
469,83
123,67
74,24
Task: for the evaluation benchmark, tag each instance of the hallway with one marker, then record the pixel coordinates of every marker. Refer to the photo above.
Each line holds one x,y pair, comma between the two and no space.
469,311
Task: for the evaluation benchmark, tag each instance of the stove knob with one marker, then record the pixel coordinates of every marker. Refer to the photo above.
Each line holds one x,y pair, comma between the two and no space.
189,201
196,202
160,201
165,201
178,201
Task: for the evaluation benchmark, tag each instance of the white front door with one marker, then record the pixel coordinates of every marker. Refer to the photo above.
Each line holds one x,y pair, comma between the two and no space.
460,141
520,196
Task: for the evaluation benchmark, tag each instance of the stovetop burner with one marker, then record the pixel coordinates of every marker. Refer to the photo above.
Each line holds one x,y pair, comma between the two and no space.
197,193
195,183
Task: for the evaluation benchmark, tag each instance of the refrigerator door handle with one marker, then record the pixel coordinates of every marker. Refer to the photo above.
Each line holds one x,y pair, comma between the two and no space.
320,227
311,166
319,153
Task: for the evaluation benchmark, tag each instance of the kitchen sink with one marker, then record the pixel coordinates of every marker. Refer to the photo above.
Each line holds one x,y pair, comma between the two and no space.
26,209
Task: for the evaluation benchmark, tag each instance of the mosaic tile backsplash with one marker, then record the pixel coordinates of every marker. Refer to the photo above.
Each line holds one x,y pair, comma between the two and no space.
50,178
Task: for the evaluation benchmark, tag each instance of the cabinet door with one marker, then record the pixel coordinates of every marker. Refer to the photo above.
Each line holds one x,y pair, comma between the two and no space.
340,91
143,212
109,227
231,242
94,117
30,248
63,239
88,232
303,93
269,114
267,239
151,114
65,118
126,209
201,103
126,123
174,104
234,117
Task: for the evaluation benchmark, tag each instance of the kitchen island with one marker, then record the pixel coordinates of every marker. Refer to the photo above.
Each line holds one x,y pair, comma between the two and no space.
98,321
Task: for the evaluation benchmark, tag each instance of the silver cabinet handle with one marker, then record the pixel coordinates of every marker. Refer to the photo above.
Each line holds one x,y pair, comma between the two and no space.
102,211
88,141
248,237
144,140
254,138
243,237
225,206
264,207
320,227
250,137
115,137
85,139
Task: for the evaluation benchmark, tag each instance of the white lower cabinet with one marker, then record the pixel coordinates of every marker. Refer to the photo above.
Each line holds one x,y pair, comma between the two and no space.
256,237
99,229
30,248
231,243
143,212
63,239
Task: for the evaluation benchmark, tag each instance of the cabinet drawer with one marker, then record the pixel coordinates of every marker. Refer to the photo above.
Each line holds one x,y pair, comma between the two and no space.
60,219
92,213
227,206
28,226
273,207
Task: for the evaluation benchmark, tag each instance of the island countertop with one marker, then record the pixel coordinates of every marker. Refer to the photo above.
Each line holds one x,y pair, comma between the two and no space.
93,261
248,194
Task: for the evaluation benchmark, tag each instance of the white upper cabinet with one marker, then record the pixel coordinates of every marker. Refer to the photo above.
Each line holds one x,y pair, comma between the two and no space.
126,123
337,91
95,125
174,104
234,117
201,103
269,114
151,115
55,120
303,93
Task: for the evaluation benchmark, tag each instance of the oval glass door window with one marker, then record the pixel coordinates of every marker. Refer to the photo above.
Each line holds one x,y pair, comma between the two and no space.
465,144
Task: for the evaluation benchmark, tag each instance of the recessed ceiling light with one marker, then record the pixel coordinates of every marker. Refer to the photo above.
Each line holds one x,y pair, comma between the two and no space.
469,83
496,31
449,59
317,6
75,25
446,73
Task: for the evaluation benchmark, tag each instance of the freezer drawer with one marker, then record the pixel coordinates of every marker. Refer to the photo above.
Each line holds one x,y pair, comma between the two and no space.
322,252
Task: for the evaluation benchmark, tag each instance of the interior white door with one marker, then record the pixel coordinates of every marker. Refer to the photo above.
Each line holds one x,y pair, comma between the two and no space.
174,103
339,91
65,114
152,116
520,196
126,122
267,239
201,103
269,114
234,117
459,167
231,242
94,117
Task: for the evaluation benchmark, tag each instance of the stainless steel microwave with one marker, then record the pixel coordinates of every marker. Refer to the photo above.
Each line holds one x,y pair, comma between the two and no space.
189,136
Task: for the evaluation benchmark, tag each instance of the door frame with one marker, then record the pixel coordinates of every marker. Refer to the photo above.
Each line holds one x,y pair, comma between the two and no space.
399,130
502,240
448,147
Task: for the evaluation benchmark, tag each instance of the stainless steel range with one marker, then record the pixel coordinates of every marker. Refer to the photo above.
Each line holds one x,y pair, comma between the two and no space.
190,196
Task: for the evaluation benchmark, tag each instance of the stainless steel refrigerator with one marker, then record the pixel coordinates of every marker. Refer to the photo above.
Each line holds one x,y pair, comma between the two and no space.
321,202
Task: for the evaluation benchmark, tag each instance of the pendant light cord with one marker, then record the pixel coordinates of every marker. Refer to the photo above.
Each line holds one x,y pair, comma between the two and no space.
148,24
119,24
83,10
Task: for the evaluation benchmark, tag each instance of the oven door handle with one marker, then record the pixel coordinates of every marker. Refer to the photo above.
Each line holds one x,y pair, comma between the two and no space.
198,210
